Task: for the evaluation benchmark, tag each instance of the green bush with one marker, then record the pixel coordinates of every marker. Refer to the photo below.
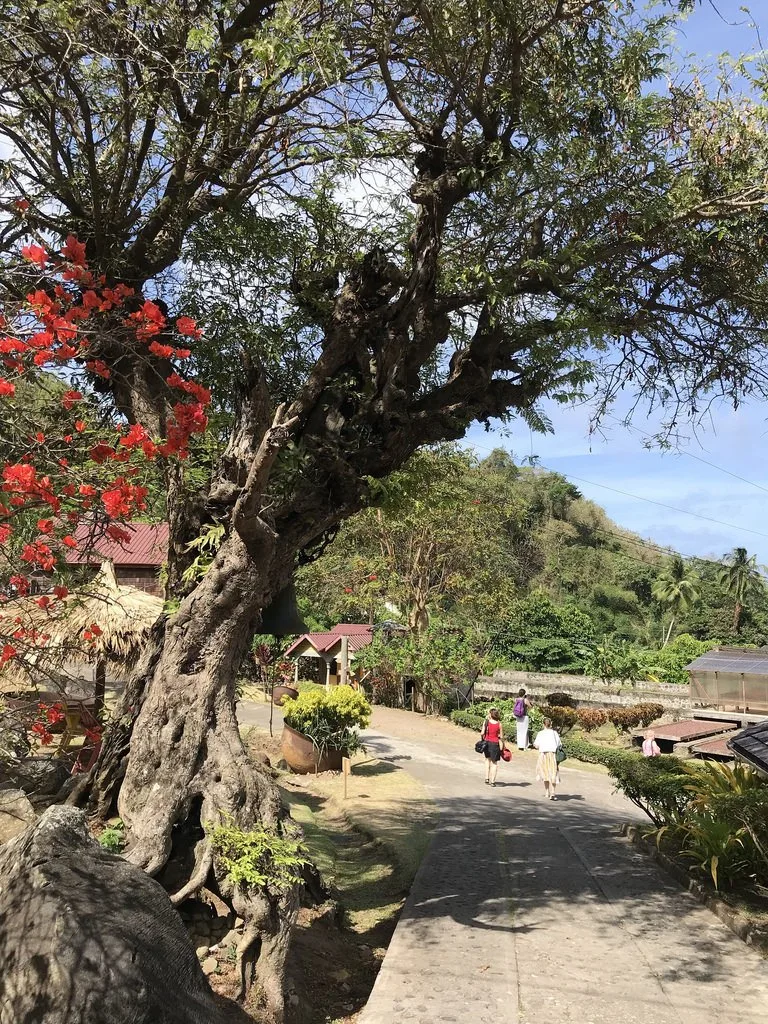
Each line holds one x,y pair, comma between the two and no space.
469,719
260,858
724,829
329,718
668,664
657,785
560,700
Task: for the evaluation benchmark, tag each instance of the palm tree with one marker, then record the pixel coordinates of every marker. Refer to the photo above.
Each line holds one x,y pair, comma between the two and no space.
678,588
742,580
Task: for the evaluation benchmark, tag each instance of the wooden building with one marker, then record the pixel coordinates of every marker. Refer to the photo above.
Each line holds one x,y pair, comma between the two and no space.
136,562
335,651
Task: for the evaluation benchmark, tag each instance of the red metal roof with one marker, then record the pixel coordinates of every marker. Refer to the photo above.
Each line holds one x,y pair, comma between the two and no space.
691,729
717,747
359,636
148,546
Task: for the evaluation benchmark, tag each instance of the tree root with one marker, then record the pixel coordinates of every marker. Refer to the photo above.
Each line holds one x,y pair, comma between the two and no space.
198,880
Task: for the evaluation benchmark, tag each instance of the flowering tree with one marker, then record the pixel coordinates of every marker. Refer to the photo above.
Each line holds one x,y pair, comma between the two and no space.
560,221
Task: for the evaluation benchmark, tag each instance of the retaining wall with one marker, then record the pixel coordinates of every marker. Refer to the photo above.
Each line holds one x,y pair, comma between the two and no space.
585,690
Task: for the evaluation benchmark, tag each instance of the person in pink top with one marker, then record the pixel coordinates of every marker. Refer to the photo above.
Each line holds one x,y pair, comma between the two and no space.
493,734
650,746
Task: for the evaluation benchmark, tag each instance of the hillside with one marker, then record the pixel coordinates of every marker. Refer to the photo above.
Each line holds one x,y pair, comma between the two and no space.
516,558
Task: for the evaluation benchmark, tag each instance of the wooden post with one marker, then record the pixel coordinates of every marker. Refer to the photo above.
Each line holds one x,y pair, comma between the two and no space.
100,688
344,661
346,768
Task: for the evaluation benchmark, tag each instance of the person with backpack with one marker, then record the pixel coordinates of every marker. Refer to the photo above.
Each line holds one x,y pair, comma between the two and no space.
493,735
520,711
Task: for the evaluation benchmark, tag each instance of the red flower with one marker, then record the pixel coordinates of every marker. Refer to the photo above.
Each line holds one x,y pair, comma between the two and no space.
42,733
7,653
161,351
5,533
6,388
22,205
43,602
35,254
69,541
98,367
101,452
186,325
60,592
69,398
80,426
45,525
74,251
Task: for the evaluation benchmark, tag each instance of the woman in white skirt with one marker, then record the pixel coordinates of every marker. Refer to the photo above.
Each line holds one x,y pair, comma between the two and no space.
522,721
547,741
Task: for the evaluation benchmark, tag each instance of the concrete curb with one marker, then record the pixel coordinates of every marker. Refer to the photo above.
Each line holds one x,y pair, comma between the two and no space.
751,934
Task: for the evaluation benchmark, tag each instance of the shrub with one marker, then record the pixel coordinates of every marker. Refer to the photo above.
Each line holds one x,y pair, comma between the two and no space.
648,713
469,719
112,838
261,858
657,785
591,718
563,719
624,718
330,719
724,830
561,700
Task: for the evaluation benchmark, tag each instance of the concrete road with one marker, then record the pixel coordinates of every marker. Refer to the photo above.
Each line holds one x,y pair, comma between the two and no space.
526,910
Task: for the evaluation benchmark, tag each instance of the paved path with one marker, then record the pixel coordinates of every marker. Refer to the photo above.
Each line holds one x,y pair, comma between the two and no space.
525,910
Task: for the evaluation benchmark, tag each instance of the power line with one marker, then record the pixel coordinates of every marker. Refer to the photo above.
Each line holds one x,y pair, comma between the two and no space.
691,455
670,508
651,501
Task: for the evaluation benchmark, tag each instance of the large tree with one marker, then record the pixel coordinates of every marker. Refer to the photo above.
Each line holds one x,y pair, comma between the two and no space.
741,578
678,588
562,215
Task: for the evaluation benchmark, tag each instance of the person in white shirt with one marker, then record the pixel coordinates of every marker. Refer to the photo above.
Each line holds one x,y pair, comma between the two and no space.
547,742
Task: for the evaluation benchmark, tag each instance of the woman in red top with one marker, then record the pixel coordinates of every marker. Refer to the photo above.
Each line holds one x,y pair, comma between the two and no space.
493,734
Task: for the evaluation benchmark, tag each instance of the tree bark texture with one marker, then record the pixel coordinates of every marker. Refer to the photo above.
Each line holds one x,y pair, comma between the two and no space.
176,754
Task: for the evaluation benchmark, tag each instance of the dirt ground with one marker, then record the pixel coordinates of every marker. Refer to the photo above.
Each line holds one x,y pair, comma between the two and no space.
367,847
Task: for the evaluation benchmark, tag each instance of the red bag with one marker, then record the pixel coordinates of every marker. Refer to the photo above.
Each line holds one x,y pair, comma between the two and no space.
506,755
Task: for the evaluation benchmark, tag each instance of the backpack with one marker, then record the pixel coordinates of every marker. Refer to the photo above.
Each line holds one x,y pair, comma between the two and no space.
519,710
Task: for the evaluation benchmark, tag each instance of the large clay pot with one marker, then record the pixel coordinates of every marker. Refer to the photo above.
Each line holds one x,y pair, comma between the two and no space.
301,754
279,693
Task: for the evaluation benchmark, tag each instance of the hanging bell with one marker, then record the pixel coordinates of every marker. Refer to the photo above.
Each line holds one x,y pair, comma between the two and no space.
281,617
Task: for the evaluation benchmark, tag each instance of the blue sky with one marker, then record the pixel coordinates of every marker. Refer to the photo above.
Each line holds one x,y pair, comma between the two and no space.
736,441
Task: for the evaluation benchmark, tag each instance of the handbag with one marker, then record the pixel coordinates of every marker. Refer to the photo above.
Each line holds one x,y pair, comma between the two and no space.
482,744
560,754
506,755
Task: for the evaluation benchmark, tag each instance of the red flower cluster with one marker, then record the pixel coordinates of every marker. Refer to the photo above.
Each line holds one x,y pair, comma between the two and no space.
55,326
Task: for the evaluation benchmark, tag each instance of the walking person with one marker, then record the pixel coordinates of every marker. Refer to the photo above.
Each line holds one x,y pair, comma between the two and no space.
650,747
522,721
493,734
547,743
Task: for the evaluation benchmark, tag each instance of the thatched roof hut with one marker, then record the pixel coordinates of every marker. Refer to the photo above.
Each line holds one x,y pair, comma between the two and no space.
101,623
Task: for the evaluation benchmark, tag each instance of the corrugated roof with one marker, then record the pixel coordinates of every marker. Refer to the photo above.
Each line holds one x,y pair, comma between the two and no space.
148,546
358,636
732,659
752,745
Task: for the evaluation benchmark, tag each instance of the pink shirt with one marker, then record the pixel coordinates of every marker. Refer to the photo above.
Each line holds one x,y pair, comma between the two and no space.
651,748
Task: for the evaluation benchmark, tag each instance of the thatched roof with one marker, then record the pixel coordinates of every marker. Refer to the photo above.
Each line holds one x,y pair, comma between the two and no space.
65,634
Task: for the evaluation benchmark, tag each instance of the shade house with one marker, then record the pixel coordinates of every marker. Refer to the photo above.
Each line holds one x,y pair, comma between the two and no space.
731,678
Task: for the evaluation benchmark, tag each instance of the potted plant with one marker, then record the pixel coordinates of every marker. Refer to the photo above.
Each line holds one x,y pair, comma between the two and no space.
319,728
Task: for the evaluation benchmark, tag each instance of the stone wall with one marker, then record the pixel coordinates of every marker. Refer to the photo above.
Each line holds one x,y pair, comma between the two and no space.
585,690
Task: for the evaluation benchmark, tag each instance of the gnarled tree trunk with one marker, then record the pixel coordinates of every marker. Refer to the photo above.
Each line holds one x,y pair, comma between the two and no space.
176,753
